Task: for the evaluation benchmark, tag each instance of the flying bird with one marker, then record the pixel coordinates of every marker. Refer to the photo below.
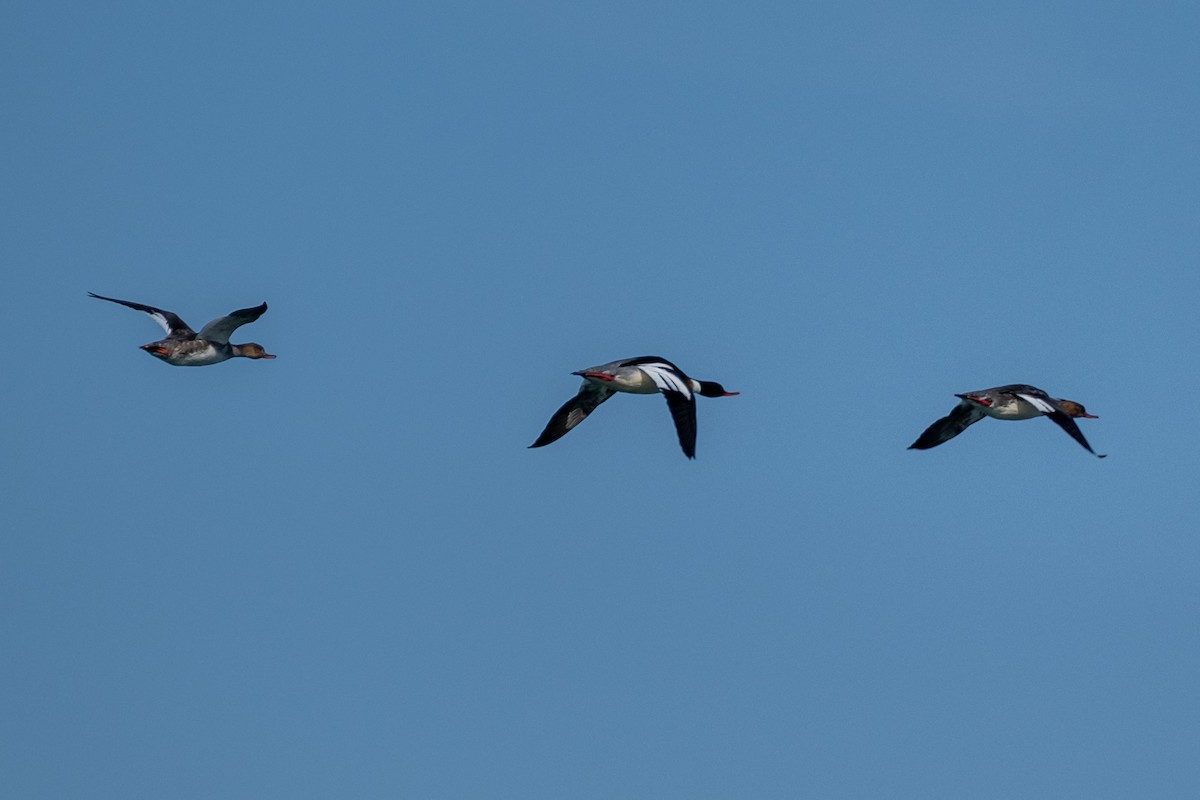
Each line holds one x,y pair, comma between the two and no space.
642,375
183,347
1015,401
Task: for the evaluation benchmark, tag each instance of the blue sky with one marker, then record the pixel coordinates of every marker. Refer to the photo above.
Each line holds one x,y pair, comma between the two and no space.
342,574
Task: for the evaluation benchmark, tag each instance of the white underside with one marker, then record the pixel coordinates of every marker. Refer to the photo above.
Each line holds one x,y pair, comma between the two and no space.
202,358
1019,409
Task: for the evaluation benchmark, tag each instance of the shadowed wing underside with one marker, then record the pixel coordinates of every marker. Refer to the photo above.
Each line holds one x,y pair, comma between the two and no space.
573,412
220,329
963,416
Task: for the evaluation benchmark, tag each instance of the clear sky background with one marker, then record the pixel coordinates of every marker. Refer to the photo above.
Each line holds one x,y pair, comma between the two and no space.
342,574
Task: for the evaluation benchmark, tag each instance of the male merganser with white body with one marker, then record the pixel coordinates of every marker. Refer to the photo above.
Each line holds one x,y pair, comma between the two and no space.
183,347
642,375
1015,401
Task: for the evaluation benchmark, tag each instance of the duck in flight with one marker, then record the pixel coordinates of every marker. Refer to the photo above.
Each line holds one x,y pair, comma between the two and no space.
642,375
183,347
1015,401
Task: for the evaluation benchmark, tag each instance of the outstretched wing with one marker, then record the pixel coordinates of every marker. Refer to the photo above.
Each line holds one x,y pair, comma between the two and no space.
220,329
683,411
170,322
573,412
1050,407
677,389
963,416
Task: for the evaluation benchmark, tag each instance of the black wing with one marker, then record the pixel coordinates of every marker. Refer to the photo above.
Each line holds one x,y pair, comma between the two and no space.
683,411
964,415
170,322
573,412
1054,410
1064,421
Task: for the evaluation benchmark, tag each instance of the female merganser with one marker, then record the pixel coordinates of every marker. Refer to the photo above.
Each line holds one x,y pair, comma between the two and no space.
642,375
1015,401
183,347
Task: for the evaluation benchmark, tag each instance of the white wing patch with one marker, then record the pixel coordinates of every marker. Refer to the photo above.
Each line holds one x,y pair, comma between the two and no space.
666,378
1038,403
160,319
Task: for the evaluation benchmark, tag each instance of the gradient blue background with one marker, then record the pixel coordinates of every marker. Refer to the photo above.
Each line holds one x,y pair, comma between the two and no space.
341,574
